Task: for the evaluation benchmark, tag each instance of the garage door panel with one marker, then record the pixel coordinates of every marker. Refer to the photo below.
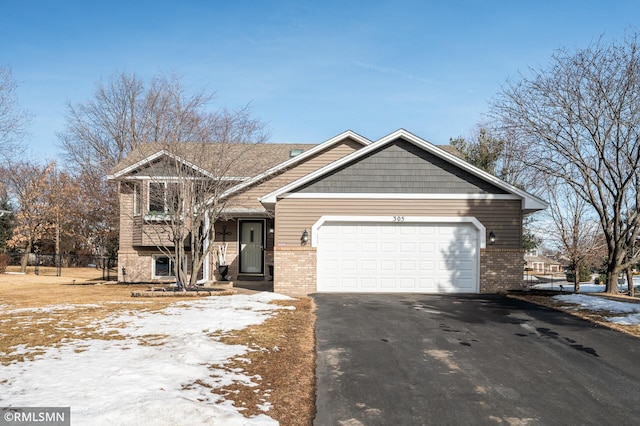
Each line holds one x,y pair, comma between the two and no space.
369,247
386,230
407,266
427,284
407,283
427,248
426,265
349,265
368,282
388,283
350,283
464,265
408,247
332,263
368,265
386,257
387,247
402,229
368,230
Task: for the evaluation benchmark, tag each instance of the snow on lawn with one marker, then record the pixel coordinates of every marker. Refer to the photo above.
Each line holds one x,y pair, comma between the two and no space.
142,379
630,312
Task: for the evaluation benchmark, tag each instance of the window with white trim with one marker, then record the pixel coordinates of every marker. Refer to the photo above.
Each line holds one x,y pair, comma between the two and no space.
163,267
164,197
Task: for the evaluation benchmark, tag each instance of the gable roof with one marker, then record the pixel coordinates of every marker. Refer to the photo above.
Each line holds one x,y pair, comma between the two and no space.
255,157
530,202
291,162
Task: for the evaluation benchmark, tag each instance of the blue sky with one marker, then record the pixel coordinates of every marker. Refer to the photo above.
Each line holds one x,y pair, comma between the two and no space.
310,69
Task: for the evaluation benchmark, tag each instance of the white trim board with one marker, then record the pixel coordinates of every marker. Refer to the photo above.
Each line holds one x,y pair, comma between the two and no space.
149,159
396,196
529,201
482,230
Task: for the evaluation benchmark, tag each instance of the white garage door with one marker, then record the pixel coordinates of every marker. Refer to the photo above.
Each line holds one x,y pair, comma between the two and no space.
397,257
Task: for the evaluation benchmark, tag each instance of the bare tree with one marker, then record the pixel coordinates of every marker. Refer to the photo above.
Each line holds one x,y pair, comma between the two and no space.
187,186
574,229
578,121
96,226
64,203
123,113
28,185
13,119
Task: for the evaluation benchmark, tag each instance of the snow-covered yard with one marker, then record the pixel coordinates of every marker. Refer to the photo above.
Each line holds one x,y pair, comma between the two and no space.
158,369
624,313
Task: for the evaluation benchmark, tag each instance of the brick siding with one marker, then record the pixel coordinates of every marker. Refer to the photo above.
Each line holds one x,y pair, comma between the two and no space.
501,270
294,270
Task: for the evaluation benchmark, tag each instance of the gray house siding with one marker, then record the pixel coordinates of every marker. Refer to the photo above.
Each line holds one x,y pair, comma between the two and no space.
401,167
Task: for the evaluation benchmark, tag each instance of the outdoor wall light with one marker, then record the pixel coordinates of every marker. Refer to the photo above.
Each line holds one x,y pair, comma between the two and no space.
492,238
271,230
305,237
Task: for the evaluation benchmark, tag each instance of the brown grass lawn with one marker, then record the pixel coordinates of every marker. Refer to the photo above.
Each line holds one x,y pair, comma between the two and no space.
286,362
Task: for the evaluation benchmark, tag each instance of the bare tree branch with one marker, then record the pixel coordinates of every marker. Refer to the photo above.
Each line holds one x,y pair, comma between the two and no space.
13,120
578,122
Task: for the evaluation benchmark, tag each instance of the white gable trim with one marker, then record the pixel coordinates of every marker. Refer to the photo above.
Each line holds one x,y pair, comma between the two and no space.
298,158
147,160
529,202
396,196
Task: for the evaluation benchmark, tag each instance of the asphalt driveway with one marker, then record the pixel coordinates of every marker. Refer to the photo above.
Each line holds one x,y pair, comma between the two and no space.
468,360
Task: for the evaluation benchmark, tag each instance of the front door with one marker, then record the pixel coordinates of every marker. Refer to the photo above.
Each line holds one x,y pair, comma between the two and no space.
252,246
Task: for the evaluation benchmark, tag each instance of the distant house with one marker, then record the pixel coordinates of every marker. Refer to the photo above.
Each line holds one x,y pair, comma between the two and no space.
348,215
538,263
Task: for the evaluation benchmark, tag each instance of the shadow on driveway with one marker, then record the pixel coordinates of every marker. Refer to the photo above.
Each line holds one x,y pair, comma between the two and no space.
411,359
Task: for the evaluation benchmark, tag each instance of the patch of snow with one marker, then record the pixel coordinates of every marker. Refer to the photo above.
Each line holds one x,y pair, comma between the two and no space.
566,287
603,304
121,382
264,407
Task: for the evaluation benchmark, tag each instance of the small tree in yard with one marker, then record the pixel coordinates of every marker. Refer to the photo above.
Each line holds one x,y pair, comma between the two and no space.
28,185
573,229
187,186
578,122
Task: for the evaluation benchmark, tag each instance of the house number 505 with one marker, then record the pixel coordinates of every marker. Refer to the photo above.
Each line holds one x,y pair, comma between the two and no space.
398,218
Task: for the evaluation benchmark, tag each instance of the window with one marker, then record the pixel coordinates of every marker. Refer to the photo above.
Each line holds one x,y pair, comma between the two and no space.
164,197
137,199
163,267
156,197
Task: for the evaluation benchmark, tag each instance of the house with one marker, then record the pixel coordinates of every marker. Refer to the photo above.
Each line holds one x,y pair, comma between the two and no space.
347,215
540,264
